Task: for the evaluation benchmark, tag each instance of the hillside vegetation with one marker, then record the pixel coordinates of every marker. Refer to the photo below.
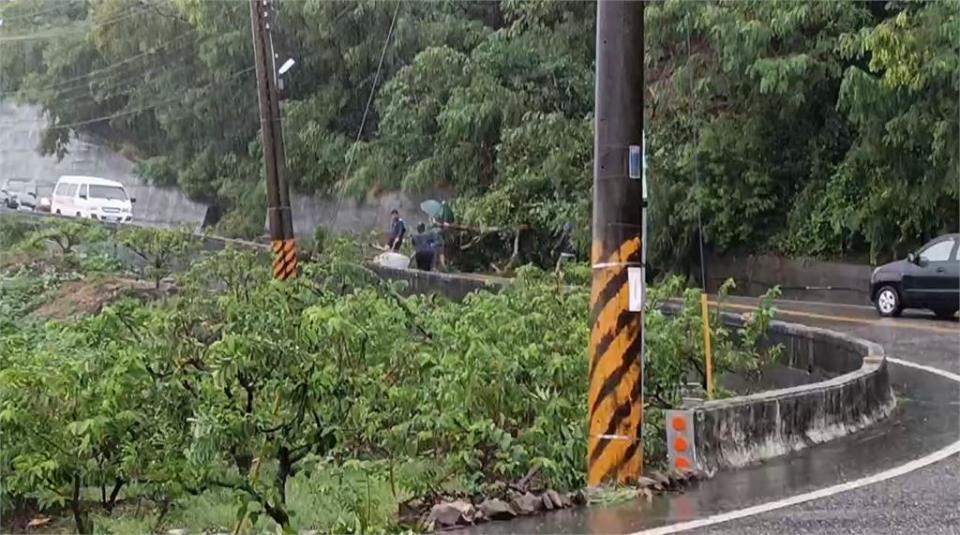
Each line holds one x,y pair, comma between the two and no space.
329,402
806,128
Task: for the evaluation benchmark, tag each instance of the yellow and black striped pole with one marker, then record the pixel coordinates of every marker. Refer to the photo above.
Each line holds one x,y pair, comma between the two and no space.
284,259
615,399
279,219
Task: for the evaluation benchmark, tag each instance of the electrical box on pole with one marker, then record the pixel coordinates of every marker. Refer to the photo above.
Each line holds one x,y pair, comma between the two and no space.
279,219
615,449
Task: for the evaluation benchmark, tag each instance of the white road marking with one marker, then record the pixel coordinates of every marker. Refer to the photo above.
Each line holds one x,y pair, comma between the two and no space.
906,468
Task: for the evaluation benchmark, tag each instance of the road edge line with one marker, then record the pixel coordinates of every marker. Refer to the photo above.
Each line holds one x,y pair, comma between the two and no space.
906,468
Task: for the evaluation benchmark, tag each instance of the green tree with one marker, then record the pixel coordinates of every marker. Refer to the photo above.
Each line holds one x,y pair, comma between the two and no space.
160,250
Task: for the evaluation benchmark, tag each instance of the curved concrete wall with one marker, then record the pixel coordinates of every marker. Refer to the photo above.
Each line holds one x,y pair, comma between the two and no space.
745,429
741,430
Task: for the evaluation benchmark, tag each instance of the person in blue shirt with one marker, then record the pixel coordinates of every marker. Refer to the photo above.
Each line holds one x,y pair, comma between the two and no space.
398,229
424,246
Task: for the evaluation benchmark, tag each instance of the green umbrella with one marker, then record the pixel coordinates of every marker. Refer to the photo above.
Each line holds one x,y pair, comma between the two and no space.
432,208
440,211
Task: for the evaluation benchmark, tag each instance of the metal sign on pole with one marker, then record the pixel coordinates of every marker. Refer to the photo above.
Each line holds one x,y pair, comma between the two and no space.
279,218
615,450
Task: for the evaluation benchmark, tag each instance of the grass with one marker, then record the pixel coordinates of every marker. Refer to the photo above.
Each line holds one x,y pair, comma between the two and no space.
345,500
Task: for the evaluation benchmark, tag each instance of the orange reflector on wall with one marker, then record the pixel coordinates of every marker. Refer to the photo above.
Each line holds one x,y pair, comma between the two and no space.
681,450
679,423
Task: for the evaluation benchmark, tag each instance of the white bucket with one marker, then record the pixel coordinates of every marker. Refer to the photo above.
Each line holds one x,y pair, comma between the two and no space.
392,260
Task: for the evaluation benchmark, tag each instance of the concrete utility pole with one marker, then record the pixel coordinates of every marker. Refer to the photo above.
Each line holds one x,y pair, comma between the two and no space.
615,450
262,16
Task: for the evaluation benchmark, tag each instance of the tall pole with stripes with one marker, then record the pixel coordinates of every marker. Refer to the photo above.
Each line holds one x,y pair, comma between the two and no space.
279,220
615,450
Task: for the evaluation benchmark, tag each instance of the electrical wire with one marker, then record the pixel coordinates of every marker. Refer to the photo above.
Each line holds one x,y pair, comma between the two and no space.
366,109
153,50
133,111
179,39
703,264
141,109
31,15
60,32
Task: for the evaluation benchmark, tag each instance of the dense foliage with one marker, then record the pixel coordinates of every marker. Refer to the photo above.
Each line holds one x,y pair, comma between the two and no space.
798,127
319,403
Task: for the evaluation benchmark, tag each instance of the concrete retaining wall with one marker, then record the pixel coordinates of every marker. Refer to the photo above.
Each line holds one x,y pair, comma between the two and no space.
168,207
738,431
358,216
19,158
453,286
798,278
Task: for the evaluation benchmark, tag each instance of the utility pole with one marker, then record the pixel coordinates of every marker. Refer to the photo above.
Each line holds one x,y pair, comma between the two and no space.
279,219
615,450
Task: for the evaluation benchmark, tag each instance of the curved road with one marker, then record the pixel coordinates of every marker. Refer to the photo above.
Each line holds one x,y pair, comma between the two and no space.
898,476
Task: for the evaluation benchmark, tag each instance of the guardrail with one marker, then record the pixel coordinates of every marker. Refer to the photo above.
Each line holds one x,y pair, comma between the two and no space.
737,431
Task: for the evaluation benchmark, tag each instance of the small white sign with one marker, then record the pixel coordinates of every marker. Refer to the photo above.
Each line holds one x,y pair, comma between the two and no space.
636,287
635,161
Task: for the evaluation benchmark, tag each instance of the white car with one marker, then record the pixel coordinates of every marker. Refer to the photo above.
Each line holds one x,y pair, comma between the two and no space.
92,198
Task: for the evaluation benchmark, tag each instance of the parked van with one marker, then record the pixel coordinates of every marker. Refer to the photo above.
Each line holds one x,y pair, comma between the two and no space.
92,198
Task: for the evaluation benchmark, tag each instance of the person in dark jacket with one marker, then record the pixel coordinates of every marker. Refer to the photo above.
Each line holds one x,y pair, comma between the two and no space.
564,246
424,246
398,229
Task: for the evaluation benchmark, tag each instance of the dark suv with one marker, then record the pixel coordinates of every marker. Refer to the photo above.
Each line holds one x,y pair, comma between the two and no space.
929,278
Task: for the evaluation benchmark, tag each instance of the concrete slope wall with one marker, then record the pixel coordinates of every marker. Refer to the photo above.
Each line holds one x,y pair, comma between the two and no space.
798,278
359,216
20,129
20,137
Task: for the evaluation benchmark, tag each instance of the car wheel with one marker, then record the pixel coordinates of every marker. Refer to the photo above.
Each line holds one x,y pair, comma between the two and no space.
945,313
888,302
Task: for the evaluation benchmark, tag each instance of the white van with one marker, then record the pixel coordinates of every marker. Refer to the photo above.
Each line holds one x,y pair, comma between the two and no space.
92,198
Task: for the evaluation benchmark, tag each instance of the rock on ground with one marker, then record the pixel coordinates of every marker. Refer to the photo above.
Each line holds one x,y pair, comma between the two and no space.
495,509
449,514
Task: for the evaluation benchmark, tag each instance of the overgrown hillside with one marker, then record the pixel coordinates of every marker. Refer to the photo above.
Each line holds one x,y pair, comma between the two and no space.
809,128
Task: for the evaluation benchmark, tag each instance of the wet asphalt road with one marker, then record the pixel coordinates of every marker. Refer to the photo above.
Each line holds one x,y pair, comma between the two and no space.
926,419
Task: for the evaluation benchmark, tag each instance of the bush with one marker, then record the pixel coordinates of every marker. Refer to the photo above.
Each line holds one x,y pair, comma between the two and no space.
160,250
330,391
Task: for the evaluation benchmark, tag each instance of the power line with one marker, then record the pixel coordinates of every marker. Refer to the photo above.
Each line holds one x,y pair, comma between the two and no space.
59,32
129,112
153,50
121,83
31,15
366,109
160,103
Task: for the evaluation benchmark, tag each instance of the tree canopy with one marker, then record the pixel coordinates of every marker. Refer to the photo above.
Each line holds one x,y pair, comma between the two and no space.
794,127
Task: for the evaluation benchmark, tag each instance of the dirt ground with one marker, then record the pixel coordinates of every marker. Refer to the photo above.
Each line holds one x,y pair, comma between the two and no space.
89,296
